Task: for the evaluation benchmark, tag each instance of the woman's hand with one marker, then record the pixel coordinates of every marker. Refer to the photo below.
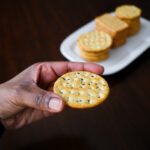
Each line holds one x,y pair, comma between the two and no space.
29,96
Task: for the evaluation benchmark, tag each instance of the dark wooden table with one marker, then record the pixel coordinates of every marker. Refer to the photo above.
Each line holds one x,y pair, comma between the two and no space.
31,31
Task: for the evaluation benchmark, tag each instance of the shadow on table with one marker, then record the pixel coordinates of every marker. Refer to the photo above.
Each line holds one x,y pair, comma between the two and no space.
57,143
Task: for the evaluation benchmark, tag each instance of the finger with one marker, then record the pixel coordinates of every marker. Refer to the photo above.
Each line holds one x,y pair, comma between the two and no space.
42,100
63,67
50,71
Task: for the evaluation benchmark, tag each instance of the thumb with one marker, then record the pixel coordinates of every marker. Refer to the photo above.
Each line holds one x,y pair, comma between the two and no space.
43,100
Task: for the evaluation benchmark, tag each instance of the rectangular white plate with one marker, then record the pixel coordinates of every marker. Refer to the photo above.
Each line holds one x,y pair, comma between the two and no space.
119,57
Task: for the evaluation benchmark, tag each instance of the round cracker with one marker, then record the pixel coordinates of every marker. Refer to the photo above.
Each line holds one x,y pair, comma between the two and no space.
95,59
95,41
103,53
82,89
128,12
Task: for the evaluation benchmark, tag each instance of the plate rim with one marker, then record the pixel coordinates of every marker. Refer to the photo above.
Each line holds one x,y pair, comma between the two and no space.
130,60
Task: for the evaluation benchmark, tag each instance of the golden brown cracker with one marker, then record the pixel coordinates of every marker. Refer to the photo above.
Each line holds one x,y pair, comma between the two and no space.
82,89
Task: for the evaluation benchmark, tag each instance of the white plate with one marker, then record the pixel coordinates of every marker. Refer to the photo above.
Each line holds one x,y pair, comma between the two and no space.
119,57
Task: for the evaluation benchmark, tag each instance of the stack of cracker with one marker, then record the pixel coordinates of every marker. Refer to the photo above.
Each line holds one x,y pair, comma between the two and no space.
131,15
94,46
114,26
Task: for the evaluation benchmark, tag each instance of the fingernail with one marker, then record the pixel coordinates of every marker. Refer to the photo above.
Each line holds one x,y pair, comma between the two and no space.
55,104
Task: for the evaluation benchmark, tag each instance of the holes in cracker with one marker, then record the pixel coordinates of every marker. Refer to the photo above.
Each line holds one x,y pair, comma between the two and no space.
77,74
82,80
97,87
89,101
61,92
78,101
63,78
101,95
67,78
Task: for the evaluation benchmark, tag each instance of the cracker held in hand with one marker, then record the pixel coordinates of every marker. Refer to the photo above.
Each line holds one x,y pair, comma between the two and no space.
81,89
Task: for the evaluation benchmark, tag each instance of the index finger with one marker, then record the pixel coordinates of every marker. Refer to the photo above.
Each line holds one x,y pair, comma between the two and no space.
61,68
50,71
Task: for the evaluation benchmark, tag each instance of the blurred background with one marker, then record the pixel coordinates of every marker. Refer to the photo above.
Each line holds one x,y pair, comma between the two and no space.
31,31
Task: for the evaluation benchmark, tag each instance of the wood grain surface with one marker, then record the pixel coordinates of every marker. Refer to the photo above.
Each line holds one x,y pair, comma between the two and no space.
31,31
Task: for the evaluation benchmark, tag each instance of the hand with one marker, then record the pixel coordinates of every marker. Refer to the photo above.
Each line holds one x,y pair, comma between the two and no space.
29,96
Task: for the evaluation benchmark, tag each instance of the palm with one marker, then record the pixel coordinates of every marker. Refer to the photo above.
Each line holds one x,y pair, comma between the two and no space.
26,116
